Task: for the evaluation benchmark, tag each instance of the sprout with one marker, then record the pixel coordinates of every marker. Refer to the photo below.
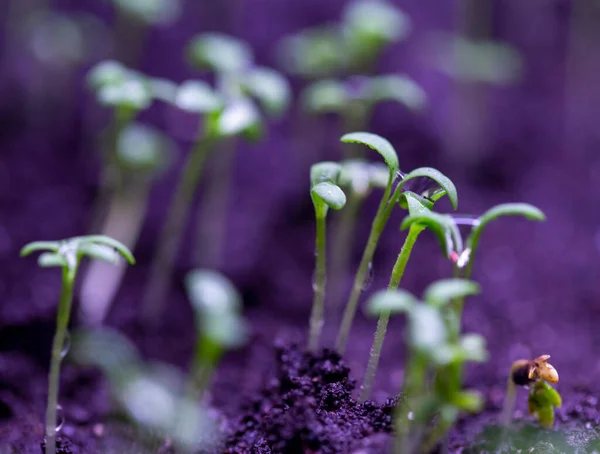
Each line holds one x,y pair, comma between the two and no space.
535,374
150,393
219,323
67,255
161,12
220,53
325,194
431,348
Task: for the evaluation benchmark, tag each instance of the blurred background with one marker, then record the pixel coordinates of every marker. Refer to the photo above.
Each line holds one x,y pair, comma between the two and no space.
507,105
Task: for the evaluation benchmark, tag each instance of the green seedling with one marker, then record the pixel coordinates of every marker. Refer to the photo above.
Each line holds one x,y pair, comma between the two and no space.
143,154
241,83
325,194
352,45
415,207
534,374
431,349
219,323
389,201
153,395
67,254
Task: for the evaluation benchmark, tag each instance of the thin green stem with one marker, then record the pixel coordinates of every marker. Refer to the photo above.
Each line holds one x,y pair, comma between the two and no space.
206,356
170,237
509,402
62,322
318,308
377,227
382,323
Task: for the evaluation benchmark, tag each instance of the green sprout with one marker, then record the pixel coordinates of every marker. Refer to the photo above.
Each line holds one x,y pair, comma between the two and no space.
219,323
325,194
143,153
431,348
151,394
390,199
415,206
542,399
67,254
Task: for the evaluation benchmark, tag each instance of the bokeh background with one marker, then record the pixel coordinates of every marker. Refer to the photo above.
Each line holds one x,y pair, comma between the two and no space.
519,124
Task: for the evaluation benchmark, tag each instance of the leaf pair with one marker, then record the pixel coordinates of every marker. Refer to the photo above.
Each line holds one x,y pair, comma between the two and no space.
324,190
118,86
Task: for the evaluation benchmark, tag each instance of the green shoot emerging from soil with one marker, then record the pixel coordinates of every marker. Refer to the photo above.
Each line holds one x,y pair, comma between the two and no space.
325,194
535,374
219,324
67,254
430,349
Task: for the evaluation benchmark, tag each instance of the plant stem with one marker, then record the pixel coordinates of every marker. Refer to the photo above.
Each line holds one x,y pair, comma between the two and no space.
342,249
212,220
206,356
62,322
318,308
384,211
169,240
509,402
382,323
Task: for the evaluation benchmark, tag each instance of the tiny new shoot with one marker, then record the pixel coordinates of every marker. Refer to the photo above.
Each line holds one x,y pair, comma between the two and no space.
220,326
535,374
430,349
325,194
67,254
415,207
151,394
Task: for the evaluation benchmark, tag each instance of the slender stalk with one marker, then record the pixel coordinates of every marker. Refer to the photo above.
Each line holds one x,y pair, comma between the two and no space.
212,219
206,357
341,250
318,308
509,402
62,322
170,237
382,323
363,269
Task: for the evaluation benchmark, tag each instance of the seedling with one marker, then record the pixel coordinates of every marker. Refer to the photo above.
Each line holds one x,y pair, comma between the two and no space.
534,374
325,194
416,206
389,200
431,349
143,154
67,254
152,394
219,323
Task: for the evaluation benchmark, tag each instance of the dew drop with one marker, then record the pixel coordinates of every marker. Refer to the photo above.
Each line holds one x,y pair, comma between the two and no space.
66,345
369,279
60,418
315,287
411,416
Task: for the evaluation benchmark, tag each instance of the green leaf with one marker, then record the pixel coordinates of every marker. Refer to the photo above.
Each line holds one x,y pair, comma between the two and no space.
99,252
271,88
554,397
401,89
109,72
325,172
51,259
314,53
446,183
228,331
375,20
197,97
510,209
427,331
442,226
330,194
239,117
133,93
380,145
161,12
443,291
39,246
211,293
356,175
324,96
141,148
108,241
415,204
392,301
469,401
219,52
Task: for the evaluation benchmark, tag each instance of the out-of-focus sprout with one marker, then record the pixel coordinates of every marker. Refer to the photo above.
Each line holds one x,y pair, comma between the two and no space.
430,348
325,194
153,395
219,323
67,255
416,208
143,153
244,87
159,12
